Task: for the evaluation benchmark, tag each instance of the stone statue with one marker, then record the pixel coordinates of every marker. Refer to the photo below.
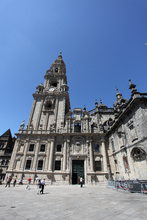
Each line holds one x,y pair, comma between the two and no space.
22,125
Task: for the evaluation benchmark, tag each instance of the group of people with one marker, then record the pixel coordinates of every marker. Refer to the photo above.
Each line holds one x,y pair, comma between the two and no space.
9,180
40,183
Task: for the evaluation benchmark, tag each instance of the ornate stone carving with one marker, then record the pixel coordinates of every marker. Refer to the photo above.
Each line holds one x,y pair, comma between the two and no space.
77,147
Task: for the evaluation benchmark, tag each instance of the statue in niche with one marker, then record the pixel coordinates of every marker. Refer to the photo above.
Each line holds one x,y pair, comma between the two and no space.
52,127
78,147
22,125
31,126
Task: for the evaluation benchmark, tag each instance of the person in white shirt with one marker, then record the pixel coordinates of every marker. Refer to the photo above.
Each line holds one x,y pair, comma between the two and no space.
81,181
42,186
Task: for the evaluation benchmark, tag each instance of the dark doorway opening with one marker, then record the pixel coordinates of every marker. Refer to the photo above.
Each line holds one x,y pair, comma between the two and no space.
77,170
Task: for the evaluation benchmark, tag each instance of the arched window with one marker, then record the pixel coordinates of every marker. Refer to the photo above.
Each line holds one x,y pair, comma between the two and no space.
48,104
138,154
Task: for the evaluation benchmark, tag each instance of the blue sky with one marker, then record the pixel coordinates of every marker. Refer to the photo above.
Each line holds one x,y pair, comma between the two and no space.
102,42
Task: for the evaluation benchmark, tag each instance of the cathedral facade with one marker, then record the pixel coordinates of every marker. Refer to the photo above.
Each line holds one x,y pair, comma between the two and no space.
62,145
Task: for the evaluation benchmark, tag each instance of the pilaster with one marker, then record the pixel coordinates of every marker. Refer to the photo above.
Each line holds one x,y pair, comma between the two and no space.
13,157
51,156
91,156
64,155
47,156
24,156
103,151
34,167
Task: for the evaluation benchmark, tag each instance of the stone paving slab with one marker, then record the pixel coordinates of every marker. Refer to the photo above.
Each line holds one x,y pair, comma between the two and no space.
70,202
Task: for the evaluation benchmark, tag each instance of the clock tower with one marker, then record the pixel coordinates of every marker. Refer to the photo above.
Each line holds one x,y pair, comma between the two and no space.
51,100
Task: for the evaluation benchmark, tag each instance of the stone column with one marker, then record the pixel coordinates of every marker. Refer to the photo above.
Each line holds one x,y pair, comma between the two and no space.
91,156
24,156
103,151
51,156
47,156
13,157
35,157
64,155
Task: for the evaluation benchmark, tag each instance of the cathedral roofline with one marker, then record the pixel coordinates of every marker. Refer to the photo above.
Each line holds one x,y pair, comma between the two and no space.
131,103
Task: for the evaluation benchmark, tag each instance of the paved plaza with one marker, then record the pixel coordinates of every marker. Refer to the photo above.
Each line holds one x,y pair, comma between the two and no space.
71,203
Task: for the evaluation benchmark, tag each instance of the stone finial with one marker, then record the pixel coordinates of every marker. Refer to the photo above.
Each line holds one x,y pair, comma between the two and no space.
118,94
96,103
132,87
117,91
60,55
84,108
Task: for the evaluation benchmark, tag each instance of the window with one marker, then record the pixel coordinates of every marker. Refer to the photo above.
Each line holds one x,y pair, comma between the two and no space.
28,164
42,148
96,148
59,146
57,165
40,165
77,127
98,166
31,147
48,104
56,69
53,84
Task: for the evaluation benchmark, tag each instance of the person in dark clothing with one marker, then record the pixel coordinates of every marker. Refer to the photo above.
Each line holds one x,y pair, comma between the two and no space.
42,186
8,181
14,182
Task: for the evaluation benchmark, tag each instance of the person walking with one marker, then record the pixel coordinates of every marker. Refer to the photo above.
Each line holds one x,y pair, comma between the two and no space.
8,181
38,186
42,186
29,182
14,181
81,181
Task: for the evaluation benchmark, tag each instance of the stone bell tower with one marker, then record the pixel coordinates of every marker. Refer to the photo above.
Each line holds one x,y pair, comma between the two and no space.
35,149
51,100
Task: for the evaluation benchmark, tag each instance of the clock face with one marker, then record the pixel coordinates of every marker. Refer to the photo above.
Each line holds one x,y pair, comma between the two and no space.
51,89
